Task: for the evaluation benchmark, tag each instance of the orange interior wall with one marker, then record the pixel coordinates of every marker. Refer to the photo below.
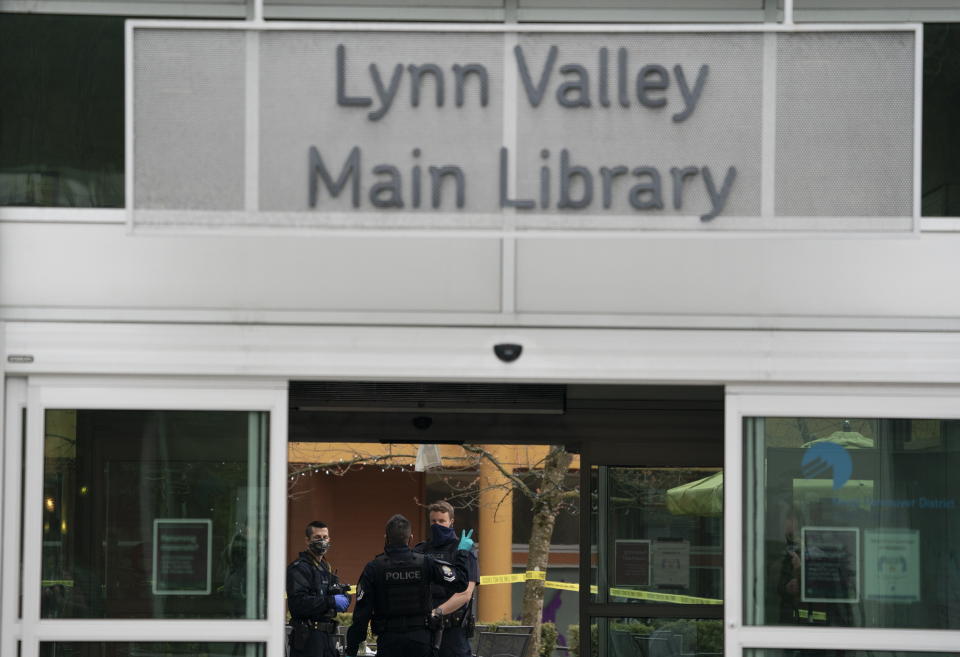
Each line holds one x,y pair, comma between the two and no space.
356,507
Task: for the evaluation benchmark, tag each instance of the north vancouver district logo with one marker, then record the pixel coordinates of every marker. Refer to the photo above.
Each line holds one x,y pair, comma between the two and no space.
827,456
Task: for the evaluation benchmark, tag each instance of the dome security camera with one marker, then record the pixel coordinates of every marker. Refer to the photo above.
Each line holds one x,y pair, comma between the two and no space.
422,422
507,351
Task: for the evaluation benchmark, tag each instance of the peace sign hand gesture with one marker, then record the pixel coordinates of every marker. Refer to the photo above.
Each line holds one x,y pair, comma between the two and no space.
466,543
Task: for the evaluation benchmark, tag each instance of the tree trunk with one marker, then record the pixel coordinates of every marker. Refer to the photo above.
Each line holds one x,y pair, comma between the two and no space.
545,509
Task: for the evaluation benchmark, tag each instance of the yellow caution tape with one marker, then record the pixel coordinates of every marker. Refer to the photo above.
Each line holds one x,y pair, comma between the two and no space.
664,597
615,592
514,578
566,586
502,579
812,615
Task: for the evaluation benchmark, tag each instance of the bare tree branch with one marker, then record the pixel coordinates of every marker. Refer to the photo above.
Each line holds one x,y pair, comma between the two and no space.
517,481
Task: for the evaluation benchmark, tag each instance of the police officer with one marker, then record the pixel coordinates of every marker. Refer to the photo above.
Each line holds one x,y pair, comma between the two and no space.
314,596
456,609
394,595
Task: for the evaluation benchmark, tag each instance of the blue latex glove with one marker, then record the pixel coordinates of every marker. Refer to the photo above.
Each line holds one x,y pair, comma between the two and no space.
341,602
466,543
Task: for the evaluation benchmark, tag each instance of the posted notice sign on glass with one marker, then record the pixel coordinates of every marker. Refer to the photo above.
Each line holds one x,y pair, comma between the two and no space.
320,126
632,562
830,566
181,556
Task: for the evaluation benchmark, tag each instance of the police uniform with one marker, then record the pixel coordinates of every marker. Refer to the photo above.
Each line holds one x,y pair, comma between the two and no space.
455,641
312,607
393,595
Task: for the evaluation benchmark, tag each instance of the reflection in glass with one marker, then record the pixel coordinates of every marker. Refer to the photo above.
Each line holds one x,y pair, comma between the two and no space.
941,136
61,129
770,652
660,534
164,649
655,637
853,522
154,514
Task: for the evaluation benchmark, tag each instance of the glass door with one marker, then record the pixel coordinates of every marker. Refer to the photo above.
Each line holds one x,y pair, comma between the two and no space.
655,556
150,519
849,536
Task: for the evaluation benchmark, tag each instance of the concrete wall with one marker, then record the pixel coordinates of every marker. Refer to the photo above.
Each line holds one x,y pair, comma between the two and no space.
99,272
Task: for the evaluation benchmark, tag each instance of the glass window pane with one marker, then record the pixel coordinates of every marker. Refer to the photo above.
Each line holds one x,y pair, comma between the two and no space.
771,652
853,522
566,531
661,533
61,127
164,649
941,135
154,514
653,637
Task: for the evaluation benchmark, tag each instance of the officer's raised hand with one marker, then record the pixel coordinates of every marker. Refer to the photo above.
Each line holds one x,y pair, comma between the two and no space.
466,542
341,602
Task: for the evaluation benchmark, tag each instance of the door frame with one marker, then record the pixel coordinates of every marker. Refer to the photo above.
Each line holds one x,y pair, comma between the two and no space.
654,452
814,400
38,393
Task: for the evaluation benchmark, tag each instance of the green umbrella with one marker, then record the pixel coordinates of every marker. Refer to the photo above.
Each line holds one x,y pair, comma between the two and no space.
847,439
703,497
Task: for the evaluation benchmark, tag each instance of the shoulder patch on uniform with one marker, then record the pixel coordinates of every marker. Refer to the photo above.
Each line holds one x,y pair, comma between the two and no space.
359,593
448,574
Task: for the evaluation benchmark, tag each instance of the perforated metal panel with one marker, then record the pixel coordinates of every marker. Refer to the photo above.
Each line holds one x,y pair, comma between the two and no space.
189,128
844,124
298,111
717,131
566,129
877,10
406,10
641,10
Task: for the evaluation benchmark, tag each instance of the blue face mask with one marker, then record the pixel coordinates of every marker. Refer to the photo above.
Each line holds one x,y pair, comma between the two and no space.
440,535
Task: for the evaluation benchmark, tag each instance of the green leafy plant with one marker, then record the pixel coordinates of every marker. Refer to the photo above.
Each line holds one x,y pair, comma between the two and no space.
574,633
548,639
548,634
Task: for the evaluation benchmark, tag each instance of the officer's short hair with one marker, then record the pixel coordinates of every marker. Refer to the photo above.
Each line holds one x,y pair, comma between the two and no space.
442,506
315,524
398,530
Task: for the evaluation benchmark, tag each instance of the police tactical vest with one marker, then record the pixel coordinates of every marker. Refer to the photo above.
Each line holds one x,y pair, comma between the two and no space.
448,554
402,593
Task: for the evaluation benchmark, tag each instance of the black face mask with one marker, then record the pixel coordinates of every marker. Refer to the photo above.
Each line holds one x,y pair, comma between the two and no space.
319,547
440,535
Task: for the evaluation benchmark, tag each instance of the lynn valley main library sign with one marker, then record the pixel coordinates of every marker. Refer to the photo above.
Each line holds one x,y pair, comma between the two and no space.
539,130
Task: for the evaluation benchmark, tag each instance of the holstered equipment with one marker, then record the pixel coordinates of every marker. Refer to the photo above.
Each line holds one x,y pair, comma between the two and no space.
447,553
436,623
299,637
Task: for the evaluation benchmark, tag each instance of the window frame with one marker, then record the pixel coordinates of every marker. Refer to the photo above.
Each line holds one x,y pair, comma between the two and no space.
250,13
109,393
830,400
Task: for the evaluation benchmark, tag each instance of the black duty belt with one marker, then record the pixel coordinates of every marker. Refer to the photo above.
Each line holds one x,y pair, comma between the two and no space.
400,624
452,621
320,626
